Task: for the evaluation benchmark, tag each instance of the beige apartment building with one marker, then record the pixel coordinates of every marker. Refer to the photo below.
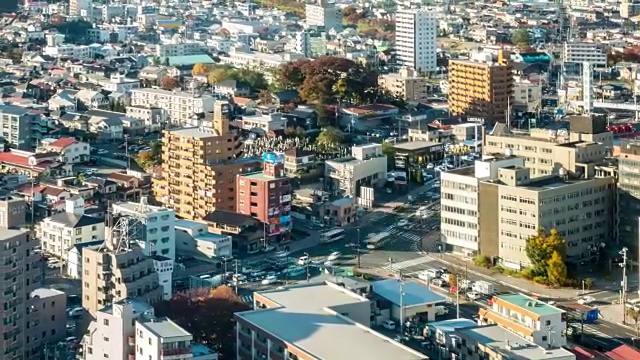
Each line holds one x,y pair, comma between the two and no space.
117,270
199,167
406,84
547,151
181,108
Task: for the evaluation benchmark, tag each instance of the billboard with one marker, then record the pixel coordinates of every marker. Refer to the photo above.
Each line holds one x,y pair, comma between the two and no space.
272,158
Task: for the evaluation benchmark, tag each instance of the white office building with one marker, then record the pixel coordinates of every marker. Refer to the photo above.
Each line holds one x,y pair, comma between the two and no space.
325,14
416,46
367,166
181,108
580,52
178,49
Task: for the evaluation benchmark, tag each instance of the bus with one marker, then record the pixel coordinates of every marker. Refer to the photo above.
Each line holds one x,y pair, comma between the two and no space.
374,241
332,235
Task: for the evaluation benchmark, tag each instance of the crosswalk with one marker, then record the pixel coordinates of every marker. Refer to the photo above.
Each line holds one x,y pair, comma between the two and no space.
396,231
405,264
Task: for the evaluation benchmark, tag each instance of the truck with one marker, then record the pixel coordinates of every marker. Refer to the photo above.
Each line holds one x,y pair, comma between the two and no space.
484,287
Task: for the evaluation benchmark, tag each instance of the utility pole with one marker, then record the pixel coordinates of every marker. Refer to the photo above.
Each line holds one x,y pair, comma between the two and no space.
457,296
308,261
358,248
401,280
623,295
236,278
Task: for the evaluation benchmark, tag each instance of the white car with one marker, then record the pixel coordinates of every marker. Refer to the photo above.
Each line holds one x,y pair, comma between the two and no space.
54,264
389,325
430,166
303,260
330,263
403,223
75,312
91,171
334,256
586,300
269,280
103,151
473,295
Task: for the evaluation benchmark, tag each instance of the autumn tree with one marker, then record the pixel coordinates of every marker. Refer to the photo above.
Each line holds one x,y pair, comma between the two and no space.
540,248
200,69
265,97
330,136
169,83
321,115
208,315
294,132
634,315
556,270
521,37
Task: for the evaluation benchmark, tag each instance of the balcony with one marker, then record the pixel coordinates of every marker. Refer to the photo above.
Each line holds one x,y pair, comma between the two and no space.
176,352
131,340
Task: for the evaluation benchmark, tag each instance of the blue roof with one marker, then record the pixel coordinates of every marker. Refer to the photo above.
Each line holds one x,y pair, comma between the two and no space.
533,58
414,293
447,326
190,60
200,350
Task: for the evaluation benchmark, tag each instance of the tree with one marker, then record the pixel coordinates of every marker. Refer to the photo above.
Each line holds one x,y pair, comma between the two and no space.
265,97
321,115
169,83
208,315
589,282
634,315
540,248
482,260
521,37
330,136
200,69
556,270
294,132
156,152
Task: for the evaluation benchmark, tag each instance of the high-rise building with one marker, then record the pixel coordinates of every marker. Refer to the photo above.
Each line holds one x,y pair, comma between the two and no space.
266,196
324,14
200,166
22,338
416,45
117,269
628,155
481,88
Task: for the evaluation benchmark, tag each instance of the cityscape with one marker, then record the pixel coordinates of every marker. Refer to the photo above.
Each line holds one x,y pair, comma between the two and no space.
320,179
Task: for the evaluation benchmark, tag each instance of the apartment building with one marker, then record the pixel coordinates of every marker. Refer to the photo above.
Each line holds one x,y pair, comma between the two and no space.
266,196
116,270
61,232
182,108
406,84
324,14
416,45
459,202
156,227
193,238
178,49
581,207
16,123
239,57
532,319
335,323
47,319
629,8
527,95
76,7
481,88
20,323
163,339
546,151
581,52
494,342
200,166
367,166
628,157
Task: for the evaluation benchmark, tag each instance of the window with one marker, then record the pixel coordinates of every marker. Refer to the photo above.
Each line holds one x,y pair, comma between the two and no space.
106,339
94,228
106,322
547,323
544,338
79,231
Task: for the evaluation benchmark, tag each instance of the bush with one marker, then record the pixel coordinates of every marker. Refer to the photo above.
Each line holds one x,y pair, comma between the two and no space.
589,282
540,280
482,260
526,273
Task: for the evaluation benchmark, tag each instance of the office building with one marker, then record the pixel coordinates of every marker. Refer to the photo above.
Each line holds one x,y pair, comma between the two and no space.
313,321
61,232
20,323
181,108
546,151
581,52
406,84
324,14
116,270
628,156
193,238
532,319
416,45
178,49
367,166
199,167
481,89
527,95
266,196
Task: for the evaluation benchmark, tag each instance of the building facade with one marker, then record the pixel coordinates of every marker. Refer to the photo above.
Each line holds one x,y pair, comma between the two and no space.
581,52
480,89
416,45
200,166
367,166
266,196
406,84
324,14
182,108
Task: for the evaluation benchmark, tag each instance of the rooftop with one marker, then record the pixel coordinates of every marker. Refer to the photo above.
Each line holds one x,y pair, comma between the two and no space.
137,208
45,293
75,221
306,320
195,132
260,175
164,328
139,306
415,294
536,306
510,345
415,145
447,326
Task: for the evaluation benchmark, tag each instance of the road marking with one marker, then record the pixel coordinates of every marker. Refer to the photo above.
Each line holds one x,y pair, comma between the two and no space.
405,264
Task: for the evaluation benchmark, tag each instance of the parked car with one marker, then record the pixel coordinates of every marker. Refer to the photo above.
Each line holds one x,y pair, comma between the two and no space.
54,264
474,295
389,324
75,312
403,223
269,248
334,256
303,260
272,279
282,254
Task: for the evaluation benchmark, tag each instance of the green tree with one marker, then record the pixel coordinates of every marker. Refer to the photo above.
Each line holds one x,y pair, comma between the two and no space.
156,152
208,315
321,113
166,62
483,261
540,247
521,37
419,178
588,283
294,132
556,270
330,136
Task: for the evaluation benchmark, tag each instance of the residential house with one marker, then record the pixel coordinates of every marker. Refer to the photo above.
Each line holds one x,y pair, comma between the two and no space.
130,187
104,190
71,150
154,117
92,99
55,195
63,101
153,74
133,126
34,164
299,163
107,125
180,70
61,232
74,258
247,233
245,105
232,88
281,98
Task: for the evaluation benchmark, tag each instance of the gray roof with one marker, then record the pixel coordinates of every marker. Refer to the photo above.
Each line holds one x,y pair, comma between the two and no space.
75,221
81,246
415,294
13,110
164,328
